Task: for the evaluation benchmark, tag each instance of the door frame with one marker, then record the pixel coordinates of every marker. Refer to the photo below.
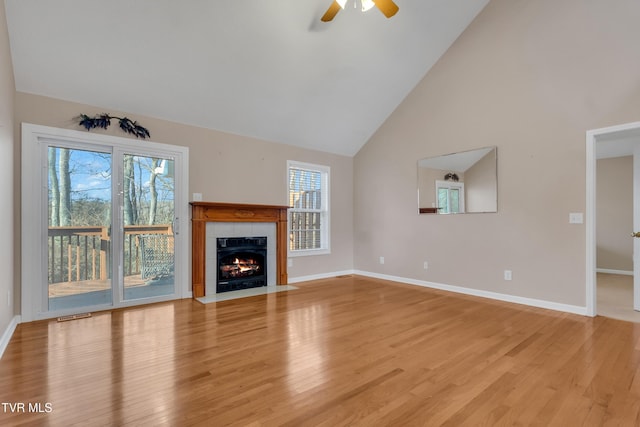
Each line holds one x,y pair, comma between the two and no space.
32,209
592,137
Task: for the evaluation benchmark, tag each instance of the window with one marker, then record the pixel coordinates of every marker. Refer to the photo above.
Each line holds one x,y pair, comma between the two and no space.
450,197
308,209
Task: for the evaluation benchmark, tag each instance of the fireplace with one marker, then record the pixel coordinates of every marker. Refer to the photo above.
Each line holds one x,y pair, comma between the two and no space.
242,263
211,220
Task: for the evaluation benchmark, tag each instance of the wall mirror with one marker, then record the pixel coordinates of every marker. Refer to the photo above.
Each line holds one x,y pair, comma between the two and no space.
465,182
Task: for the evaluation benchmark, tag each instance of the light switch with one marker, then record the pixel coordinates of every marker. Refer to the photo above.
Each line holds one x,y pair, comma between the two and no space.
576,218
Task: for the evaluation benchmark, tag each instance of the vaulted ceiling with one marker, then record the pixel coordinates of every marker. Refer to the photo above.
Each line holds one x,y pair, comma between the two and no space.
267,69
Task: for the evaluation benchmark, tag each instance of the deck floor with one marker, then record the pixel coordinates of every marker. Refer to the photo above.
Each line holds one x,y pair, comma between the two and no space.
83,286
94,293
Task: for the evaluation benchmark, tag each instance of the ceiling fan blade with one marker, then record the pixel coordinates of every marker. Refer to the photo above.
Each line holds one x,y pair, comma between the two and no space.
331,12
387,7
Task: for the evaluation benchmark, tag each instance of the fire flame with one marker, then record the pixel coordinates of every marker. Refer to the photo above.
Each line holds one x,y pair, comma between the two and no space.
243,267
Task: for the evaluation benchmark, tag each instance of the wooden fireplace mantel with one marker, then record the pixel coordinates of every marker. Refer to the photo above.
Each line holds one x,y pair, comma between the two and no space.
203,212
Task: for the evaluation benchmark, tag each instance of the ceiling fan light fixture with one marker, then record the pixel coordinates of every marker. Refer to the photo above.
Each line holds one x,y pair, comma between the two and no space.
367,4
364,4
387,7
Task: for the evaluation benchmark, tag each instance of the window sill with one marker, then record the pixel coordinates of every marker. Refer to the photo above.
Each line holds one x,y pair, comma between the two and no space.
308,252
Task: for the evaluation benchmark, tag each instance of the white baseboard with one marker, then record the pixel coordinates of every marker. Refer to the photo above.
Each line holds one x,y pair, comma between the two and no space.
318,276
574,309
610,271
8,333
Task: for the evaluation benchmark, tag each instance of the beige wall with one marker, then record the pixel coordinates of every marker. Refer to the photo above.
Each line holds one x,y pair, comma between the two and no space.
480,185
614,213
530,77
7,93
229,168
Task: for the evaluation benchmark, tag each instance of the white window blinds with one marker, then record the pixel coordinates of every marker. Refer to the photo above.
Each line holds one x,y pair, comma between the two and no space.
308,213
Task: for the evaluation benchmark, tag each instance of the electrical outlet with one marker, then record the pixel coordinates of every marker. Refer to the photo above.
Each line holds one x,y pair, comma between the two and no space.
507,275
197,197
381,260
426,265
289,262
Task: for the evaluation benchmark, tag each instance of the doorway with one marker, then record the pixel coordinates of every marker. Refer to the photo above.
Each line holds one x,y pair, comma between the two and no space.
101,221
622,140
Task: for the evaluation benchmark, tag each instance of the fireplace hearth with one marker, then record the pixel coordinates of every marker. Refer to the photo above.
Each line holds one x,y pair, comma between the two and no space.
241,263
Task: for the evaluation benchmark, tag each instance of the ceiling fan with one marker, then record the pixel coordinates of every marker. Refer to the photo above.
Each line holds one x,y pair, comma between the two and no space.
387,7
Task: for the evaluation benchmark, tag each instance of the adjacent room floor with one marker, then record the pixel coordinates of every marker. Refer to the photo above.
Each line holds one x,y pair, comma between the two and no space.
615,297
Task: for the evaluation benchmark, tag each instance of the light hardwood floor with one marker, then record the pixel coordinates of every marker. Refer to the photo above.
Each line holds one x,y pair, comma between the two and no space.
343,351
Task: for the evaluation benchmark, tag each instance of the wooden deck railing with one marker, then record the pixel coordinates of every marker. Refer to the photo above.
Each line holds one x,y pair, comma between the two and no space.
83,253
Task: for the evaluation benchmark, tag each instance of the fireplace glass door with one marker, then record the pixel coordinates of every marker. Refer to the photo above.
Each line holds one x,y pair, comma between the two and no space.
241,263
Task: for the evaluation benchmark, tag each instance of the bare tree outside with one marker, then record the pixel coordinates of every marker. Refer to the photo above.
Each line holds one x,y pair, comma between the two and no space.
80,200
153,192
129,192
65,187
54,188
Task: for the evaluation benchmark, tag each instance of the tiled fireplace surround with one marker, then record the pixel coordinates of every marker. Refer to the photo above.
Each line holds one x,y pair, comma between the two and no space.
213,220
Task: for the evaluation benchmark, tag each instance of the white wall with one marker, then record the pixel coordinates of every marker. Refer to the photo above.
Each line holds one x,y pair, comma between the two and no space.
7,93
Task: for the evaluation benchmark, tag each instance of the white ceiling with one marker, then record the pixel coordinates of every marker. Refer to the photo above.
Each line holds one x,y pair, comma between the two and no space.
265,69
455,162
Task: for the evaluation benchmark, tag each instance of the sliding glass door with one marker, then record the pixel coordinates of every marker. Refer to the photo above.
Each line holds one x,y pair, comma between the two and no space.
148,213
79,222
109,211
